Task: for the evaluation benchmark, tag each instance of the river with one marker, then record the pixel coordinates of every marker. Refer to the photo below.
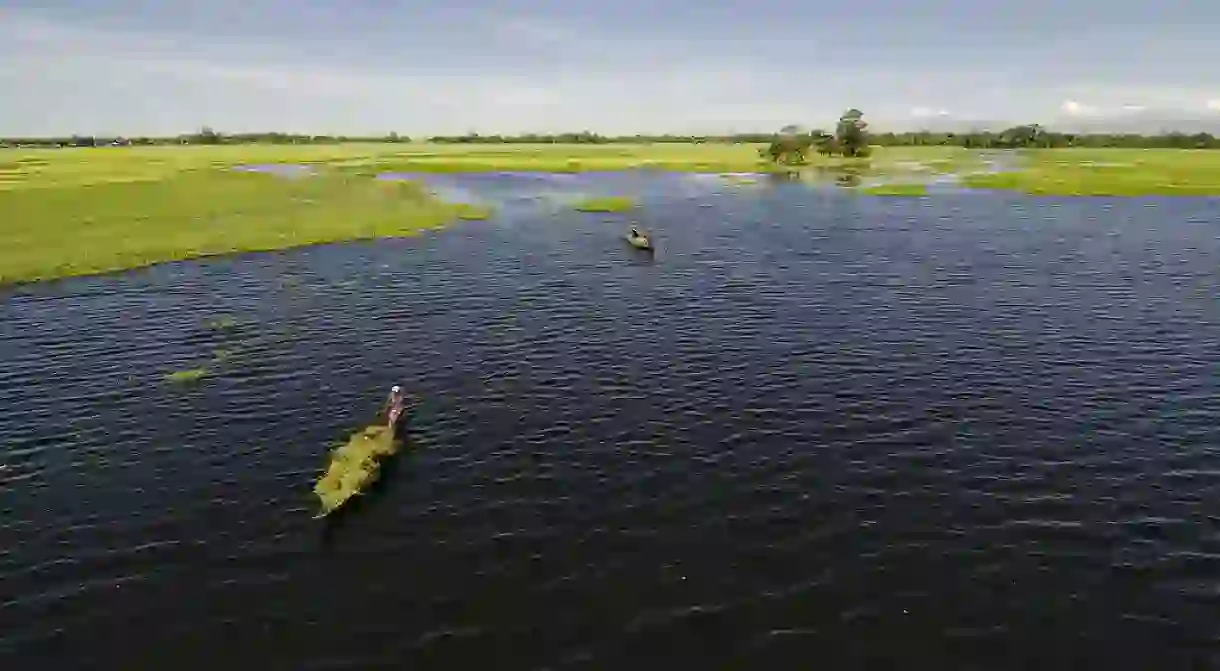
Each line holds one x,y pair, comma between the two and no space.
962,431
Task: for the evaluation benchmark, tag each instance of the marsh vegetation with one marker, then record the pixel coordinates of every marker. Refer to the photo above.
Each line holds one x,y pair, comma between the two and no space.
91,210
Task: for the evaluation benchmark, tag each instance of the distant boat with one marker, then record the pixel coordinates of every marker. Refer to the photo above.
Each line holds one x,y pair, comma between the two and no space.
639,241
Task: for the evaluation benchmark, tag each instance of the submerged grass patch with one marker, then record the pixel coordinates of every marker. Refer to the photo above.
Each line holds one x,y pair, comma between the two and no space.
186,376
739,180
605,204
896,190
223,323
354,466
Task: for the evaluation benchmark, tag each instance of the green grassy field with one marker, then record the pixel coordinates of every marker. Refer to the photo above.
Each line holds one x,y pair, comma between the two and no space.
34,168
1110,172
91,226
66,212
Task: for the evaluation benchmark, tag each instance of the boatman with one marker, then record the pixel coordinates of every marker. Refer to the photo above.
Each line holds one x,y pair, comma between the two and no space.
394,406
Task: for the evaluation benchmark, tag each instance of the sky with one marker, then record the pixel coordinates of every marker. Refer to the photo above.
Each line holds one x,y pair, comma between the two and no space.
150,67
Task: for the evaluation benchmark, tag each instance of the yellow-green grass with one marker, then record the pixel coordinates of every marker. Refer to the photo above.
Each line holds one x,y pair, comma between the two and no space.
187,376
68,212
223,323
896,190
560,158
354,466
1110,172
71,212
606,204
709,158
86,228
468,212
737,179
34,168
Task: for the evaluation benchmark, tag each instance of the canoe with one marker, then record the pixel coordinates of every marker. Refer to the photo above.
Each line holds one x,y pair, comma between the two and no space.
354,466
639,242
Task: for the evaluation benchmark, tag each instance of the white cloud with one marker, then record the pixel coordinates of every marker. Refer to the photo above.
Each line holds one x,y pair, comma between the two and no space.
1115,99
154,84
96,72
927,112
1074,108
1213,104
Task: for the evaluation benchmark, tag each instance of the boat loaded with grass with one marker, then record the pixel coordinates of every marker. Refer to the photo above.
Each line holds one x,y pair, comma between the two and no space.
355,465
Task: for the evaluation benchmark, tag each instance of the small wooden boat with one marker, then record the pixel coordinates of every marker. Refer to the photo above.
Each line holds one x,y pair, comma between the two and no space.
639,241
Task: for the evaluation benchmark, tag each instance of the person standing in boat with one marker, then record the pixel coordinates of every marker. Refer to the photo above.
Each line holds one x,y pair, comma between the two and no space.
393,406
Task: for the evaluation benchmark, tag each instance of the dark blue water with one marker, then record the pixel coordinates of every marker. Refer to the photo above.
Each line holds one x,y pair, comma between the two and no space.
816,430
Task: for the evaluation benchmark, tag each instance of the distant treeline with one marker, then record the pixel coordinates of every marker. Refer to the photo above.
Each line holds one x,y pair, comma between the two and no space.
1029,136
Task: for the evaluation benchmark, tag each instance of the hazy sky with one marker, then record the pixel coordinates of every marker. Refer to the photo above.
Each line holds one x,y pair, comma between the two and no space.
372,66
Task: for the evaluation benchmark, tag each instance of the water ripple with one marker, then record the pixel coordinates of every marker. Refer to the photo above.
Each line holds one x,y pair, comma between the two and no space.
947,426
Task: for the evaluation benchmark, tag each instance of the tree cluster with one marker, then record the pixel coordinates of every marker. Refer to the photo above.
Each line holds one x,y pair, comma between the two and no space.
851,137
791,146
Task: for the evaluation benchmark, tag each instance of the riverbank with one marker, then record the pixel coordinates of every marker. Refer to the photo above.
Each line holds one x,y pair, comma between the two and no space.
71,212
34,168
54,231
1109,172
694,158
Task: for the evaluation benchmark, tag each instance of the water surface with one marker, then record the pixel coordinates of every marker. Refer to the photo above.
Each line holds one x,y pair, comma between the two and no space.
964,431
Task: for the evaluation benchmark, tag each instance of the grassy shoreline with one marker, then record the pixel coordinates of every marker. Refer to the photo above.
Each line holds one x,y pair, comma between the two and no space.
71,212
54,232
75,212
1109,172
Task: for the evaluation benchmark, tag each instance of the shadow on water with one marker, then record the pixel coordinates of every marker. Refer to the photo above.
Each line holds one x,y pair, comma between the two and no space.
335,523
845,176
641,257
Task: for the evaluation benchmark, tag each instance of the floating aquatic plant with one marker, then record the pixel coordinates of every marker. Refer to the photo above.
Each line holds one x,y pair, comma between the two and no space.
606,204
187,376
740,179
354,466
223,323
472,212
896,190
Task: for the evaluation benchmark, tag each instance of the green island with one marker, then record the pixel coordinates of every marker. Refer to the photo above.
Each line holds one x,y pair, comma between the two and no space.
188,376
84,206
605,204
898,189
